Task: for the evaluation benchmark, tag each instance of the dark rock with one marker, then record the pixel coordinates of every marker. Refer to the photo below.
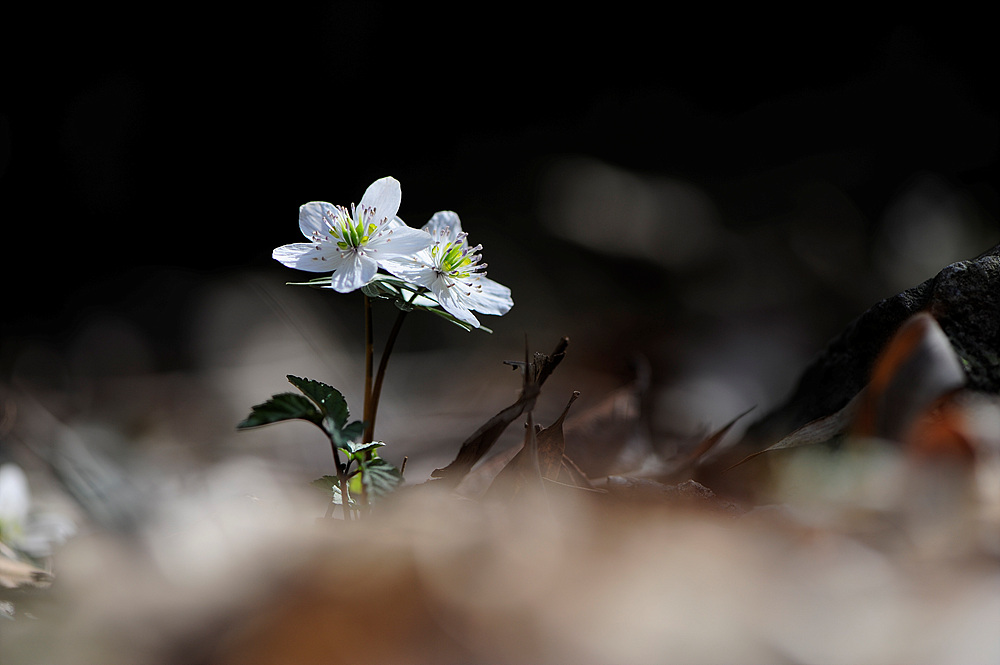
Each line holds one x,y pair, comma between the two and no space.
964,298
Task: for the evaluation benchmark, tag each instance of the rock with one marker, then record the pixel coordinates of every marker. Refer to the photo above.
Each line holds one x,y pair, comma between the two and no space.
964,298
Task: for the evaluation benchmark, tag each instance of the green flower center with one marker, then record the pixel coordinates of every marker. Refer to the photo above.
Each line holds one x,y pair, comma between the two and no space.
451,258
354,234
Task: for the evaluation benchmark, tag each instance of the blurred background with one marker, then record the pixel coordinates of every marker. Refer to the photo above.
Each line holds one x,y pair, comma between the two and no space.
713,195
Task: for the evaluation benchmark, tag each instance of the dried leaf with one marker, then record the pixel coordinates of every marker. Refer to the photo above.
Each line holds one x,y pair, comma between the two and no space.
575,476
706,445
479,443
601,435
547,446
944,432
552,444
821,430
917,367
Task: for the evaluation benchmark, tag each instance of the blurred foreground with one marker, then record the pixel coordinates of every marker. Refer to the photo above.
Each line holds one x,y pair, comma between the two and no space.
861,558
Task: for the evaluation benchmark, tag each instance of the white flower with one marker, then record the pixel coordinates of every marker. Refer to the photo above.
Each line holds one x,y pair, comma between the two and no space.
352,243
451,270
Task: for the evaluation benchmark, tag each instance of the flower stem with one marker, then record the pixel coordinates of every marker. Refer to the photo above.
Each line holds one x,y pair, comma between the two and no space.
376,392
369,361
342,481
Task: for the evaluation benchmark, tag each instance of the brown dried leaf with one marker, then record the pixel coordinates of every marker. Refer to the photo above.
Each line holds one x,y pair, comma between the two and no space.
573,474
547,446
601,435
820,430
536,371
552,444
692,458
917,367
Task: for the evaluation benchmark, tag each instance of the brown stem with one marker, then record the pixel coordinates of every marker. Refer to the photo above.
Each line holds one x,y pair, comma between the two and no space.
376,392
369,358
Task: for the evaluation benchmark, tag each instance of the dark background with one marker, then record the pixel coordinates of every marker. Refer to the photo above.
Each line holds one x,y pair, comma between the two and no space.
144,153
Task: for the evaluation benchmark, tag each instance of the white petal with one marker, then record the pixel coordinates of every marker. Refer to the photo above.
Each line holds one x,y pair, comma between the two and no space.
383,195
398,241
354,272
308,256
444,226
313,216
416,269
494,298
452,300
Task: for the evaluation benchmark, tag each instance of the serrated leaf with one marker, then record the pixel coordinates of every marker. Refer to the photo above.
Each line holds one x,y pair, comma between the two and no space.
353,431
329,400
379,478
346,436
326,483
283,406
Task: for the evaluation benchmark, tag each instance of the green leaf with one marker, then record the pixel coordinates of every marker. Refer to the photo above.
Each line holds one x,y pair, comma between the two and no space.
380,478
374,290
355,448
346,436
458,322
330,400
283,406
326,483
353,431
331,486
319,282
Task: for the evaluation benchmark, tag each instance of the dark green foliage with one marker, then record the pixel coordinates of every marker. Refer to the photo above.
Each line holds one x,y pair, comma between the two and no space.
364,473
379,478
322,405
327,398
283,406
